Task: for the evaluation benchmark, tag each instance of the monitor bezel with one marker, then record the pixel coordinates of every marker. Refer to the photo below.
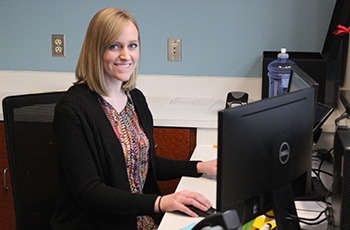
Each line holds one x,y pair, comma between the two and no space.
304,76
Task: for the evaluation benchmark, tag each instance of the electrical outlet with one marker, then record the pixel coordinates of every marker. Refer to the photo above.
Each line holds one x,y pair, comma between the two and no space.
174,49
58,45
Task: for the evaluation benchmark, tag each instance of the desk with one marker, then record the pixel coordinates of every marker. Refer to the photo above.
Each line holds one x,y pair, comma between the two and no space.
207,186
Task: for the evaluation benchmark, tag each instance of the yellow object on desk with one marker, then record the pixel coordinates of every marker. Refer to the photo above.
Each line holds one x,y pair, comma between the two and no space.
261,222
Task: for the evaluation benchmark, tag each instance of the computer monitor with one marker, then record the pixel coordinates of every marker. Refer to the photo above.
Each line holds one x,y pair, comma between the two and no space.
264,156
300,80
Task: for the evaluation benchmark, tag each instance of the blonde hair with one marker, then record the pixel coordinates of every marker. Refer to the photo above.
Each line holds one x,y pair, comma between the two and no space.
104,28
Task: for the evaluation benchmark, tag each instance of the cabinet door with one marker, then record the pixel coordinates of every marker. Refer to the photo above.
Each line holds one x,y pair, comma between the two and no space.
7,210
174,143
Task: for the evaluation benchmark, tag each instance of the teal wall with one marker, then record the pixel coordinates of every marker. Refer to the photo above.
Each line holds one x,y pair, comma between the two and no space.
219,37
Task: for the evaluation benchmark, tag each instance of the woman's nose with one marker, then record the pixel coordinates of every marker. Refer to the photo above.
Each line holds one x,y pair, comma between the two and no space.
124,54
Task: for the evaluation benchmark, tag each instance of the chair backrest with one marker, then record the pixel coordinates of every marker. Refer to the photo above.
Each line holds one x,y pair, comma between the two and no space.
31,147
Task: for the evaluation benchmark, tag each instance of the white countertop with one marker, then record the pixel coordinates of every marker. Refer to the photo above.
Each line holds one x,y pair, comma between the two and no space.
182,116
205,185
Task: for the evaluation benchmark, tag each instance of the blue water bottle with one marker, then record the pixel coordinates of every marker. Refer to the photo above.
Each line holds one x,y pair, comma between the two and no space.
279,73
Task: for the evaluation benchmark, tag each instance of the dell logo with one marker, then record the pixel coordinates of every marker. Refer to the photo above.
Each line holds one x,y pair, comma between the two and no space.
284,153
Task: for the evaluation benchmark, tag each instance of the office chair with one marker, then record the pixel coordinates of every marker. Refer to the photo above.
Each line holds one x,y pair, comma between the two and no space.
31,148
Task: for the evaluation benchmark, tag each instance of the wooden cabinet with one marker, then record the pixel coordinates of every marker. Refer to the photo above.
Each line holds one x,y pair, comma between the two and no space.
174,143
7,210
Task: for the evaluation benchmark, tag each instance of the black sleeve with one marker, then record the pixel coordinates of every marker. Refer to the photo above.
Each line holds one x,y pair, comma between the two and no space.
168,169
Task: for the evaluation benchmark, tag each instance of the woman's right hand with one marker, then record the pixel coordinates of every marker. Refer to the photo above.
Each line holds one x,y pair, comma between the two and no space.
178,201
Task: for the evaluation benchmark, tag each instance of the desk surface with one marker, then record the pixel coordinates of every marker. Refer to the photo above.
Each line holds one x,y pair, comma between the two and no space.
199,117
207,186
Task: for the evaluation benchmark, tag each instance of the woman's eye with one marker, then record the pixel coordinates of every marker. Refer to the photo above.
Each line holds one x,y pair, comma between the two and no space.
114,47
133,46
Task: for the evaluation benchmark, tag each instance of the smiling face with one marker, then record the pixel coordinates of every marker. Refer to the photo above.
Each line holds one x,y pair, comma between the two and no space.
121,57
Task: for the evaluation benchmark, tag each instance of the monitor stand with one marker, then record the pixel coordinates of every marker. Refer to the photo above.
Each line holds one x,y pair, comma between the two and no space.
283,207
317,192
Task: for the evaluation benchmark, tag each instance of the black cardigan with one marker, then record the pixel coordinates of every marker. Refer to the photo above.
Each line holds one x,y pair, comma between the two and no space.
94,190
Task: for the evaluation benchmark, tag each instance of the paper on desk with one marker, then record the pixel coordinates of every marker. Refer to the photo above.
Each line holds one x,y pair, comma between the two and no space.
194,103
217,105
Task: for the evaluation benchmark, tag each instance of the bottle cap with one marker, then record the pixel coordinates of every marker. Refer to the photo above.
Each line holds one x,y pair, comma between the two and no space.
283,54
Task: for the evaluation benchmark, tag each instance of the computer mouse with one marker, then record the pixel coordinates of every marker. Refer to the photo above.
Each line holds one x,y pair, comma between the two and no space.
201,213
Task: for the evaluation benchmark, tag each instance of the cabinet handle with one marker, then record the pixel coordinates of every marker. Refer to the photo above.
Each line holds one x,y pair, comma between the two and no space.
5,185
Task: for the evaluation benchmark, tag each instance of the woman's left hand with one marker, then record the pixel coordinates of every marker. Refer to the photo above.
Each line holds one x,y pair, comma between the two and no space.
207,167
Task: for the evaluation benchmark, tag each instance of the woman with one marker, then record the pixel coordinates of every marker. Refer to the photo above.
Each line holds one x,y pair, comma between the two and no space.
108,167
